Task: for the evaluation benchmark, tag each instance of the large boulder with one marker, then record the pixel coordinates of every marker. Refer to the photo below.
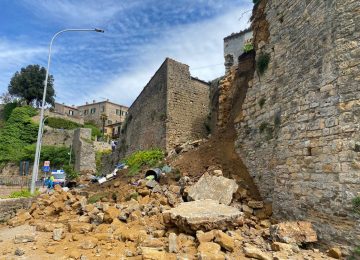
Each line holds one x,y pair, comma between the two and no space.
297,232
215,188
203,215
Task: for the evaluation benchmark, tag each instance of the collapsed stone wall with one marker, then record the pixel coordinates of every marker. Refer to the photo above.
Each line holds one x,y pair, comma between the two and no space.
299,136
172,109
57,137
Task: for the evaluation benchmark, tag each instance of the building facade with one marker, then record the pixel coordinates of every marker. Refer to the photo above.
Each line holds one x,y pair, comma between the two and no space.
108,111
234,47
71,111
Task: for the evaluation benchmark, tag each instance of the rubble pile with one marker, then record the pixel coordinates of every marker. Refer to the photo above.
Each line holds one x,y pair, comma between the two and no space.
146,220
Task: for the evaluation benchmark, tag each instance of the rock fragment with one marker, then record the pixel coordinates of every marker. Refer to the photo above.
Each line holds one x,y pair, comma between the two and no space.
215,188
203,215
296,232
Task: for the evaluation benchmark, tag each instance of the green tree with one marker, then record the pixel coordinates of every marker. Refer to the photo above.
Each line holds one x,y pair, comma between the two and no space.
29,85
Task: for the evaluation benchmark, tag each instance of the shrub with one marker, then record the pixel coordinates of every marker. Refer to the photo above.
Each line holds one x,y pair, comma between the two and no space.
263,62
95,131
256,1
248,47
8,108
61,123
18,131
71,174
141,158
97,197
57,155
23,194
356,204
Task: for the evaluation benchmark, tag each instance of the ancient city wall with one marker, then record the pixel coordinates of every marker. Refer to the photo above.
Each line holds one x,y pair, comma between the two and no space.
188,105
300,133
145,126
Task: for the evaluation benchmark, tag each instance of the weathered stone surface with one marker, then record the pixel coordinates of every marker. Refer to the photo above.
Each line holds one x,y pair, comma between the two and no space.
224,240
8,208
19,219
210,251
335,252
79,227
205,236
251,251
203,215
306,160
173,248
293,232
24,238
19,251
152,254
89,243
58,234
213,187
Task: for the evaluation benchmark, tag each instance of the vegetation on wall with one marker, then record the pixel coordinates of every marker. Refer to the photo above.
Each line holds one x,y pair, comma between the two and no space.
256,1
356,204
139,159
95,131
71,174
263,62
248,47
18,132
61,123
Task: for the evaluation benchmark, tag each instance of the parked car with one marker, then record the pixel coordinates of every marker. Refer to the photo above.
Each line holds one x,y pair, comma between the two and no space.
59,177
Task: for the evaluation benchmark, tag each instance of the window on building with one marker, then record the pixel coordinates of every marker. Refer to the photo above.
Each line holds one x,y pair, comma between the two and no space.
109,122
71,112
105,131
118,111
93,110
86,111
102,108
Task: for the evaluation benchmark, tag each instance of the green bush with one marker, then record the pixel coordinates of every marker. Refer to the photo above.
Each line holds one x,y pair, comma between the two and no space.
18,131
256,1
61,123
97,197
95,131
23,194
8,108
263,62
57,155
71,174
356,204
248,47
141,158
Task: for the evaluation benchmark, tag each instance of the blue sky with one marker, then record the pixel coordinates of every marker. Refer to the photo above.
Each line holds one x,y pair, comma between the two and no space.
139,35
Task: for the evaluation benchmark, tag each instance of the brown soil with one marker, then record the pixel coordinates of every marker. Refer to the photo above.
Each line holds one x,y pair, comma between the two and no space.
217,152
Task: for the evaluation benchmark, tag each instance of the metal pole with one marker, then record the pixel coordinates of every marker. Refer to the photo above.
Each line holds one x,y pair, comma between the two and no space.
38,142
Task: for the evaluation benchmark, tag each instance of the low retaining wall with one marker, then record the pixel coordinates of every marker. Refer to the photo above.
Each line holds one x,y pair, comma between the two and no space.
8,207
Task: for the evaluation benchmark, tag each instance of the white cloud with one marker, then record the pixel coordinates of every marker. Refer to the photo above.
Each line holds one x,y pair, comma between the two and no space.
199,45
14,56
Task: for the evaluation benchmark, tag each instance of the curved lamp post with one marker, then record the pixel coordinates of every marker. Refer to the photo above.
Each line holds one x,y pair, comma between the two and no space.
41,124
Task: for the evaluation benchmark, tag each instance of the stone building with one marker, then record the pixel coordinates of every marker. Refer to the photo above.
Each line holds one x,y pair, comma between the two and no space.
172,109
115,113
71,111
299,134
234,47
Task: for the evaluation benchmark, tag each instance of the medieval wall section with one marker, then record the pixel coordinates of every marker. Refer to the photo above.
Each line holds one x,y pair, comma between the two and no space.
299,136
145,126
188,105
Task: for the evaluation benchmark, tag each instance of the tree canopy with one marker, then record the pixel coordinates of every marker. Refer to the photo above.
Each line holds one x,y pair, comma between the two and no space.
29,85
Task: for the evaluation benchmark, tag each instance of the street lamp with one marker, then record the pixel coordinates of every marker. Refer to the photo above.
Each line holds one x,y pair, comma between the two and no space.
41,123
